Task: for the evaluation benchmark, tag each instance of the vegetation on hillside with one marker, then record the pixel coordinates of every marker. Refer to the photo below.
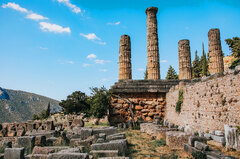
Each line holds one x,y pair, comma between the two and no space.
21,106
44,114
234,46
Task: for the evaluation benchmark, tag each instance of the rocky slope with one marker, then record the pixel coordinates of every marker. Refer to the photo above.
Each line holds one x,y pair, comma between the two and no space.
20,106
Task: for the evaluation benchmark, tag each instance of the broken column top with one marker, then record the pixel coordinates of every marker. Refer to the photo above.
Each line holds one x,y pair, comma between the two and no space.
184,41
213,31
151,9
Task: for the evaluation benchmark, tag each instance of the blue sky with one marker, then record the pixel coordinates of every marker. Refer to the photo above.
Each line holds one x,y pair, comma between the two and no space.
55,47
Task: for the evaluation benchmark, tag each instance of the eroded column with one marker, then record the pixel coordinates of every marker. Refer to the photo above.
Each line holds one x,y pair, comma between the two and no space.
215,52
153,66
125,69
184,58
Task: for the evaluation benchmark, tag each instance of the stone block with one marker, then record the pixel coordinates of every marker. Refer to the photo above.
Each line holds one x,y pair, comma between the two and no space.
51,141
232,137
219,133
107,131
78,122
120,145
116,136
68,156
207,136
189,149
5,144
27,142
14,153
201,146
102,135
36,156
43,150
104,153
219,139
40,140
175,139
192,139
71,150
100,140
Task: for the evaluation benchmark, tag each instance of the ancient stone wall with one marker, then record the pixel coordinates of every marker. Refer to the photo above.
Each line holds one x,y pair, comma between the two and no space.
215,52
125,69
184,57
147,107
153,66
208,104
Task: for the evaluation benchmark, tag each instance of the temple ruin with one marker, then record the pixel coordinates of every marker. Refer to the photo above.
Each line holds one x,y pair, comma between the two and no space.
125,70
215,52
152,44
184,58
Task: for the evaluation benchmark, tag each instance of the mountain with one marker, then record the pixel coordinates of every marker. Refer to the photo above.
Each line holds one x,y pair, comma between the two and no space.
16,106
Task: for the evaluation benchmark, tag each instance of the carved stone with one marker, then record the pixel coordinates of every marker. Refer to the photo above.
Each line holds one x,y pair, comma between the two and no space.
184,57
153,66
125,69
215,52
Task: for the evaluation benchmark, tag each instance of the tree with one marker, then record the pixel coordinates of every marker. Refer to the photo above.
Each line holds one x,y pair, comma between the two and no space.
146,74
196,68
99,101
48,111
75,103
171,74
203,63
234,46
43,115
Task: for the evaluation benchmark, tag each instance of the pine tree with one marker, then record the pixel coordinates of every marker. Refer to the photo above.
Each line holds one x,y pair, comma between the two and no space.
196,68
203,63
48,110
146,74
171,74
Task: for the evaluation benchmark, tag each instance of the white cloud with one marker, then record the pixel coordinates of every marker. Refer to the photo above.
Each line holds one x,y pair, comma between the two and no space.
15,7
103,70
91,56
163,61
45,26
43,48
105,80
86,65
116,23
73,7
35,16
97,61
93,37
90,36
141,69
69,62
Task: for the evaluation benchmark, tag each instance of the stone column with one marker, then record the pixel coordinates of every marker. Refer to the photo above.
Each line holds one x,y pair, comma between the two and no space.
184,57
125,69
215,52
152,44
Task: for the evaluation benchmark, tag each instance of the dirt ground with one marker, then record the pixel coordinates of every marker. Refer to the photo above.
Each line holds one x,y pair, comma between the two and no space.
143,146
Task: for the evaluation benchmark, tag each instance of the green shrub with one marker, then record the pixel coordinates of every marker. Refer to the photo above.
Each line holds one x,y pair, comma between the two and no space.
235,63
180,101
158,143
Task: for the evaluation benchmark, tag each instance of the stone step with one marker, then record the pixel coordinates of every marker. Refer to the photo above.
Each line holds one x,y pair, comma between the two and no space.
104,153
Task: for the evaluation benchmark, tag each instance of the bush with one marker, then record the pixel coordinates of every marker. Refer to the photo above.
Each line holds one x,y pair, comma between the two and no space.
235,63
43,115
180,101
159,143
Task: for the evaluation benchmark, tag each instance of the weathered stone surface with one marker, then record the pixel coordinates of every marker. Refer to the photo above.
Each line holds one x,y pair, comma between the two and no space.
106,130
125,68
192,139
116,136
68,156
78,122
215,52
176,139
219,133
104,153
189,149
40,140
184,57
27,142
14,153
5,144
43,150
120,145
201,146
232,137
220,139
114,158
36,156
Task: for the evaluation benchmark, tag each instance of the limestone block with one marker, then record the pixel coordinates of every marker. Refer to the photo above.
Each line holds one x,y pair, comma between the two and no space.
116,136
201,146
40,140
232,137
189,149
43,150
68,156
100,140
36,156
27,142
219,139
5,144
102,135
219,133
14,153
107,130
192,139
176,139
104,153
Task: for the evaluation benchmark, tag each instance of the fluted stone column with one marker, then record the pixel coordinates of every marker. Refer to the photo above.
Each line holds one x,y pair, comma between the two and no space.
125,69
184,57
215,52
152,44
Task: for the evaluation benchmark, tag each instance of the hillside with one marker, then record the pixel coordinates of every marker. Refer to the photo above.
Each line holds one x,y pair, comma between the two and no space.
20,106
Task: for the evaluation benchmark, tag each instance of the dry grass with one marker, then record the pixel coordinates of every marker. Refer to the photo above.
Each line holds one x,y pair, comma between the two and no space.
143,146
